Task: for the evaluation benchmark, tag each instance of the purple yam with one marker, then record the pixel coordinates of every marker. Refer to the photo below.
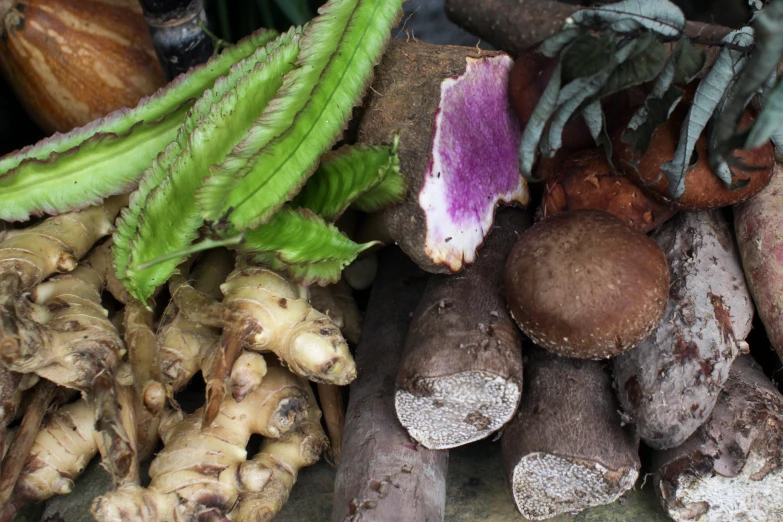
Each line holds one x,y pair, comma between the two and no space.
458,147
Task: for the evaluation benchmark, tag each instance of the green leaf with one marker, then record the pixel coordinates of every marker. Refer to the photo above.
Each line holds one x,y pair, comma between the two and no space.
646,60
345,175
708,95
535,126
323,273
300,237
689,61
659,16
769,124
389,192
106,157
767,51
594,117
552,46
163,216
587,56
278,171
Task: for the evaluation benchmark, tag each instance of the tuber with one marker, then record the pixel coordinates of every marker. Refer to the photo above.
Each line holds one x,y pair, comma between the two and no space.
585,180
202,470
460,377
382,475
758,223
583,284
669,383
566,449
730,468
458,142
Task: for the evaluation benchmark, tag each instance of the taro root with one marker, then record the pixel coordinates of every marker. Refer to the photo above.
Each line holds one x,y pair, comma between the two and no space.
566,449
458,147
71,62
583,284
758,224
703,189
669,383
586,181
732,467
382,474
460,378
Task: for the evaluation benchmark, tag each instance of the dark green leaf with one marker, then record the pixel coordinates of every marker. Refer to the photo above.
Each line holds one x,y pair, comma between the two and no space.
552,46
594,117
587,56
646,60
535,126
647,119
659,16
769,124
689,61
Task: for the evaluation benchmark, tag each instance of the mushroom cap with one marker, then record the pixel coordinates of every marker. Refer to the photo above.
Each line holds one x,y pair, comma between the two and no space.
583,284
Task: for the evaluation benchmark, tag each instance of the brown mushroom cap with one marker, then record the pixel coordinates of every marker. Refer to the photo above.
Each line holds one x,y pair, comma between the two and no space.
583,284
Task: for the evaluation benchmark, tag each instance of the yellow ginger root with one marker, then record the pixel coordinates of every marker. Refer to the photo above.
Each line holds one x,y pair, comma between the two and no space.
28,256
76,343
277,465
185,337
201,470
142,347
265,312
337,302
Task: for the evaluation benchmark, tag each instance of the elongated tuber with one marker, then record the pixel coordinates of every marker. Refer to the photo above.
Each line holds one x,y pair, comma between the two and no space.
669,383
758,223
458,147
382,475
731,468
202,470
566,450
460,377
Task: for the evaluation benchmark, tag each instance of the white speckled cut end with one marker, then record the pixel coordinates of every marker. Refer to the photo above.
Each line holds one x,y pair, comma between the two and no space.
461,408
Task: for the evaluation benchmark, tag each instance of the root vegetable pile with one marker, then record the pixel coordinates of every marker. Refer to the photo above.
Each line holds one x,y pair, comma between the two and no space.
224,225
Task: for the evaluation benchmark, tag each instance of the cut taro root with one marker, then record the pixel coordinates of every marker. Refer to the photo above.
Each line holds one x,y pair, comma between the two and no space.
461,375
732,466
583,284
668,384
458,147
566,449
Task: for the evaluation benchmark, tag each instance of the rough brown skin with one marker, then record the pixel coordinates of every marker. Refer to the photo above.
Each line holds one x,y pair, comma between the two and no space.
586,181
565,450
730,469
515,25
382,474
668,384
12,386
404,98
703,190
460,377
758,223
73,61
583,284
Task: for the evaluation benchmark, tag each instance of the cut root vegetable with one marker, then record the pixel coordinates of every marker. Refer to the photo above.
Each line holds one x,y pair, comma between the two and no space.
460,378
669,383
382,475
458,143
758,224
203,470
732,466
565,450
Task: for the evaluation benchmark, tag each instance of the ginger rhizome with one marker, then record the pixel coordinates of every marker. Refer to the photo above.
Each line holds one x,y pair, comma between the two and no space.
203,470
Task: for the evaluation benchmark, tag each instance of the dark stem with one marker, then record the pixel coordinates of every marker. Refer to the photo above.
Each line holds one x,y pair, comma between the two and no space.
176,27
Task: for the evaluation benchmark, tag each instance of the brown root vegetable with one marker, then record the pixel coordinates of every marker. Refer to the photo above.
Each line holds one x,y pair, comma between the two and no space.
382,474
669,383
758,224
566,449
583,284
71,62
333,408
460,377
12,387
586,181
202,470
458,147
731,468
703,189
